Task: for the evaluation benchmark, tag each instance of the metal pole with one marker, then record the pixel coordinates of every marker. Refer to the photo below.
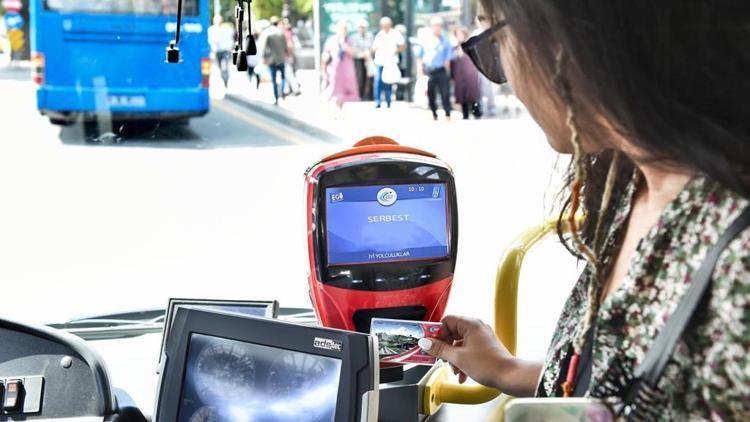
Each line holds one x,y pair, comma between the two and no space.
317,9
409,18
217,8
466,18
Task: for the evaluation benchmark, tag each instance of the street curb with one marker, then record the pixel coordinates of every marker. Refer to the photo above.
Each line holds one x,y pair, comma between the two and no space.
284,117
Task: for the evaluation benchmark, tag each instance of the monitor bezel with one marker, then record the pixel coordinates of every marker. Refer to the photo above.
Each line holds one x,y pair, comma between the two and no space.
357,398
382,171
446,203
272,311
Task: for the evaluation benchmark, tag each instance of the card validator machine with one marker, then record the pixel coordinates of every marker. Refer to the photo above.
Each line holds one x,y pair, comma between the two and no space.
382,234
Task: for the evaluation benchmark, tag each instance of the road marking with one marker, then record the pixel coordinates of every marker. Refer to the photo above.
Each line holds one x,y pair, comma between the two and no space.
287,134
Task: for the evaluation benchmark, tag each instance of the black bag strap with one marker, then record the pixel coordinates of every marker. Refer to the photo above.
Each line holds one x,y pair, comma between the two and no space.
585,364
656,358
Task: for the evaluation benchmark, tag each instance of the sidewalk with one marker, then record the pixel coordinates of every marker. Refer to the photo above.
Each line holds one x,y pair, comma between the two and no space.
312,112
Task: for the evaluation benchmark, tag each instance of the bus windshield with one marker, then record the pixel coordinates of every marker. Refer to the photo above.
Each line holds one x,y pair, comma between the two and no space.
135,180
123,7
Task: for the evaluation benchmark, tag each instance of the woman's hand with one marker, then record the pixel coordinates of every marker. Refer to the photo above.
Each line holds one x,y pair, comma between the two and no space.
473,350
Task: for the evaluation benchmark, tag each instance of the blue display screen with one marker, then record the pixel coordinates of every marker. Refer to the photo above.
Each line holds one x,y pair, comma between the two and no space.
371,224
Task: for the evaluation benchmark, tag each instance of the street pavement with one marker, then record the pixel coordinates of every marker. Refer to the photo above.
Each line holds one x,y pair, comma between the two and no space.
216,208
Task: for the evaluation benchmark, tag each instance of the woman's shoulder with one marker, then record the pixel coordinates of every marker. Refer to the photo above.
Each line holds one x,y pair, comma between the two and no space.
712,209
725,206
720,361
732,272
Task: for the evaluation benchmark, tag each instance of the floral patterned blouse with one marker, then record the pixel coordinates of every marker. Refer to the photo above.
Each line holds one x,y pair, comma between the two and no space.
709,373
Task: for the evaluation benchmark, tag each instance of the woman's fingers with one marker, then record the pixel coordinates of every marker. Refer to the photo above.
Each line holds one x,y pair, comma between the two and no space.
444,351
439,349
458,327
456,371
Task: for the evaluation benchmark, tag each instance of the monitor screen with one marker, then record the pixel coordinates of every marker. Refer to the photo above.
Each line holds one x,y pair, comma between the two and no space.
230,380
260,310
372,224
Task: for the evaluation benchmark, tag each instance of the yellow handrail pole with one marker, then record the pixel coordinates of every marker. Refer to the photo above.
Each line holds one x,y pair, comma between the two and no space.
506,283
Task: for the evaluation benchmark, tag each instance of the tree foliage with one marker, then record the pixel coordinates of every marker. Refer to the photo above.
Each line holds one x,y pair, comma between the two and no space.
264,9
300,9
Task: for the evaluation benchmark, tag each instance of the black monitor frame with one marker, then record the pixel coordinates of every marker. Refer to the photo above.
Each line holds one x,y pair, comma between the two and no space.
385,276
272,311
359,378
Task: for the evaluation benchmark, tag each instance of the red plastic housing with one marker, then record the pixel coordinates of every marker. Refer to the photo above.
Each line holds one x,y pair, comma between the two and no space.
335,306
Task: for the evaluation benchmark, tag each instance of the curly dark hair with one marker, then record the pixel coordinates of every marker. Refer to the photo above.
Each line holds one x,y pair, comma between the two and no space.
672,76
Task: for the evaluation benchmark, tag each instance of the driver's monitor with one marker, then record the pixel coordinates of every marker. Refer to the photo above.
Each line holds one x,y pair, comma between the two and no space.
222,366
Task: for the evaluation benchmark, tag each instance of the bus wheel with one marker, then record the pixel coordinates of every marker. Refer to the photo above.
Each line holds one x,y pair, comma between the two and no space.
91,130
61,122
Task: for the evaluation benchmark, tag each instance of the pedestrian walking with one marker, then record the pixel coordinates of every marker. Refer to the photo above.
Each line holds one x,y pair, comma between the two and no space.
338,55
465,78
434,59
386,46
221,39
362,43
275,52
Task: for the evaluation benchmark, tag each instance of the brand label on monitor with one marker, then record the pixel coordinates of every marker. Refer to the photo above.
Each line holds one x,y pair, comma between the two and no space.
328,344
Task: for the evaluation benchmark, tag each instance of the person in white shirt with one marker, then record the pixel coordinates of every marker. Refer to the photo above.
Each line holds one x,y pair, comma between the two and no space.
386,46
221,40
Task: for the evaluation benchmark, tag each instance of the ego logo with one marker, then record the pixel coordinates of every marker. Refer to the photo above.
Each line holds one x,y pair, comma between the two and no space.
387,197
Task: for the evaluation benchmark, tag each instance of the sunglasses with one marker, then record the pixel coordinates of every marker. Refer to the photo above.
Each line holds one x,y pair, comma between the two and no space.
483,51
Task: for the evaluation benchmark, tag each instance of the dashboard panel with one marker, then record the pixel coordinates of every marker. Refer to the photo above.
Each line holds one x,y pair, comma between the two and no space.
62,378
47,374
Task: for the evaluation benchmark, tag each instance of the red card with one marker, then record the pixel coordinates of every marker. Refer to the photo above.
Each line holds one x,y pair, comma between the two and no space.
397,340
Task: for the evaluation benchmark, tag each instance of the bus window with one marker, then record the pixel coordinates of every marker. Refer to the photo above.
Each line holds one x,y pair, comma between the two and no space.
123,7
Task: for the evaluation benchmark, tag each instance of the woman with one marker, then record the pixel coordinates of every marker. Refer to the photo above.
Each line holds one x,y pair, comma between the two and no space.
338,57
650,99
465,79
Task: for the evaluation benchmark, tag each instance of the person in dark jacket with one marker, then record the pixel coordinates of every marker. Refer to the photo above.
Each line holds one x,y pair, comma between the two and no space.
465,78
275,53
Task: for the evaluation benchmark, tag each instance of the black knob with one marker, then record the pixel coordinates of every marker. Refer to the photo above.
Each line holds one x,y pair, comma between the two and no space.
252,49
235,52
242,61
173,53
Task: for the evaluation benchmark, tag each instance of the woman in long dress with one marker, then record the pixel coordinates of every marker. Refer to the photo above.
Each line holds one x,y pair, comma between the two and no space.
338,65
465,79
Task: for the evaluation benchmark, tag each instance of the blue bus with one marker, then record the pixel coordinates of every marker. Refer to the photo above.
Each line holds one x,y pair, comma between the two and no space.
104,59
